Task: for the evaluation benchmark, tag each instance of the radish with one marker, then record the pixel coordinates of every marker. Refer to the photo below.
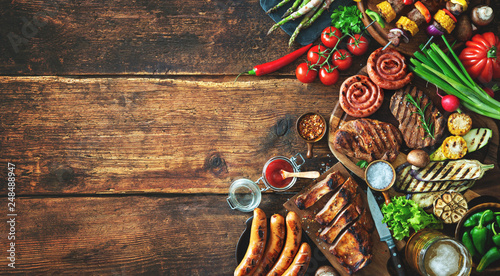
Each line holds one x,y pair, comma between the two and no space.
491,91
450,103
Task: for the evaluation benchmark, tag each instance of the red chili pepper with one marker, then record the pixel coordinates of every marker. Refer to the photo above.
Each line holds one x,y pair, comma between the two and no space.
269,67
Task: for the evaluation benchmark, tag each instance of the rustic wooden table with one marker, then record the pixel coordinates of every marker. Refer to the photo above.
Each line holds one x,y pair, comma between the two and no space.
126,129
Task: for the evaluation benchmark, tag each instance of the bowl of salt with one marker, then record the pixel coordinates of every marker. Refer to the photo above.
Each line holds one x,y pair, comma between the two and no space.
380,176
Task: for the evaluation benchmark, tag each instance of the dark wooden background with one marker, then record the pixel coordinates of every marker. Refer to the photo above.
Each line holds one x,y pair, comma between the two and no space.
126,130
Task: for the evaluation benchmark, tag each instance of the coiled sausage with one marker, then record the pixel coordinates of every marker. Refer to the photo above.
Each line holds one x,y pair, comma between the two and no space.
360,97
387,68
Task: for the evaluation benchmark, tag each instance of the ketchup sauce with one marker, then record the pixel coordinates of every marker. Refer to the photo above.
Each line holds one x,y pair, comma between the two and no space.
273,173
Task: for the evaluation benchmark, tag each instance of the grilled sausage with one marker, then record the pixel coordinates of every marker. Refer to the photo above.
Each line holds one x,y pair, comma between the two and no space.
300,262
360,97
274,245
256,245
387,68
293,237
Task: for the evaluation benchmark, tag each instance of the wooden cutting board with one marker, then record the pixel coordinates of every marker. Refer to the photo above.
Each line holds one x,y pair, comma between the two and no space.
338,117
380,252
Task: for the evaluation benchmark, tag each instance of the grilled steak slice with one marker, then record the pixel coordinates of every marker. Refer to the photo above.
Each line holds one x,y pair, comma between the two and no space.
354,248
330,183
368,139
350,214
345,195
410,121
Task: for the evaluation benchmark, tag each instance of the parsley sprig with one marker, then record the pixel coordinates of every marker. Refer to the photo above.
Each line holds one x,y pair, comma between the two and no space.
426,124
347,19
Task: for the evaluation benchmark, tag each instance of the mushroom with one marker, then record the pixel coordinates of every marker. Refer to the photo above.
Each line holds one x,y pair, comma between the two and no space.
418,158
482,15
326,270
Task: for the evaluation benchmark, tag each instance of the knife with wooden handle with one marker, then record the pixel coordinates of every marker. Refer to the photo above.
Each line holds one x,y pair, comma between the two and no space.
384,232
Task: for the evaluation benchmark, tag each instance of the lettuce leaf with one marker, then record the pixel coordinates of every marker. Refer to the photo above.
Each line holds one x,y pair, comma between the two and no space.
402,215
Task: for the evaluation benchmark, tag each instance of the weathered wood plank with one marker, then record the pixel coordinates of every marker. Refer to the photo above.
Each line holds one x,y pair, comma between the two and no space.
52,37
133,235
100,135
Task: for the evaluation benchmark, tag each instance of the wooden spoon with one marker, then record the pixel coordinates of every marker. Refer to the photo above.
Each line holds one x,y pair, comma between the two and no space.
311,174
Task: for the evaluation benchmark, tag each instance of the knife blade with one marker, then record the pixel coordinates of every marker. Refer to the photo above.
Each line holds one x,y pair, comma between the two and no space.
384,232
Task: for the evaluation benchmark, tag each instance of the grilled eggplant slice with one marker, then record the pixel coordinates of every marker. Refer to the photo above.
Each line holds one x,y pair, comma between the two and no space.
425,200
406,183
451,171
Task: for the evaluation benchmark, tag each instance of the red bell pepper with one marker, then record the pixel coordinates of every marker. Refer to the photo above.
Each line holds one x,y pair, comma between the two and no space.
481,57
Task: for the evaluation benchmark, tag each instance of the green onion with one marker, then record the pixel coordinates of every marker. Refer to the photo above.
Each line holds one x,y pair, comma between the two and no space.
434,66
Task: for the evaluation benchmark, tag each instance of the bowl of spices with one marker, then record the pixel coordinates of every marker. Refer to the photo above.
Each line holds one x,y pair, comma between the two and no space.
311,127
380,176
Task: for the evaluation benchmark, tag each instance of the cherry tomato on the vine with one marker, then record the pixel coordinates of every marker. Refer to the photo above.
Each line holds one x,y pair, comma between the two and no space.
342,59
357,44
328,75
305,73
317,54
330,36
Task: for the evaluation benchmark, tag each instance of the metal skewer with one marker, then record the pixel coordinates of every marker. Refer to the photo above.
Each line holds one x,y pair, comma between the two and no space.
426,44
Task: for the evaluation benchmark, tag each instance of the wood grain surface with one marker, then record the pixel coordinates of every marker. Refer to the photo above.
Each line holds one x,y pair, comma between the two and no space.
115,135
131,235
126,130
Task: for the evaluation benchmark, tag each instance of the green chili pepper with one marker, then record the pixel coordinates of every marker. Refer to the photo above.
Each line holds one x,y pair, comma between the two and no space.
492,255
375,17
474,219
467,241
497,218
496,236
480,236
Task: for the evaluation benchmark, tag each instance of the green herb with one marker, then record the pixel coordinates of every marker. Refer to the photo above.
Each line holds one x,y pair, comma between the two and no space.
347,19
426,124
434,66
362,164
401,215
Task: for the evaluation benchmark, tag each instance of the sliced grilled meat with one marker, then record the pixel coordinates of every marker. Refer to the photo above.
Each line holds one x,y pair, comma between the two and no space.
350,214
368,139
345,195
354,247
410,121
329,184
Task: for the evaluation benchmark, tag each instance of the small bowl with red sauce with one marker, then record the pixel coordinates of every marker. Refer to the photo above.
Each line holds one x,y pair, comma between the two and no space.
311,127
271,173
245,194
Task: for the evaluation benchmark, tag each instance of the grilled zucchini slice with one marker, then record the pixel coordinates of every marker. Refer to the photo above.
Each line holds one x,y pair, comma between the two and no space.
477,138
